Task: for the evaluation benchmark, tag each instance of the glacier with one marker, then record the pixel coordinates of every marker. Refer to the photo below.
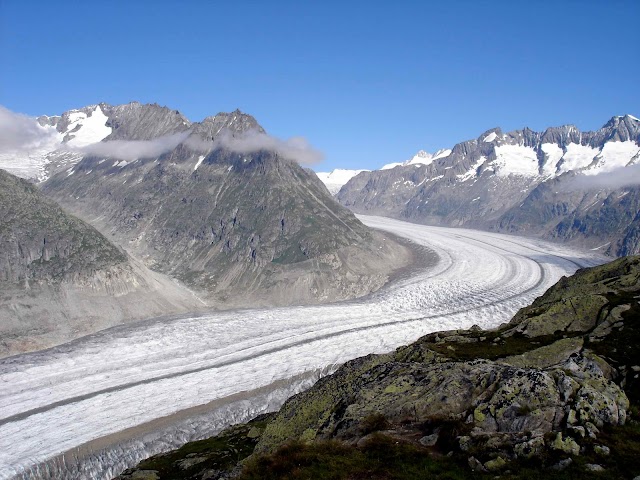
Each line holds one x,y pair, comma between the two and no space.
93,407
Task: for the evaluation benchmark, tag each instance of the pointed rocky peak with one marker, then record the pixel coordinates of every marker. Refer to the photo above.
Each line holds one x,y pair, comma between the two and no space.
422,154
619,129
420,158
490,136
234,123
561,136
525,137
48,121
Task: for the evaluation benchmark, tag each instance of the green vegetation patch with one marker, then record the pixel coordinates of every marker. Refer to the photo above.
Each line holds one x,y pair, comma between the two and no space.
217,454
380,457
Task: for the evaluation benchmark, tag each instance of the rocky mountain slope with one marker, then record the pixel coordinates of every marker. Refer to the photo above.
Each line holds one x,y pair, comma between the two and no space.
554,392
562,184
223,207
61,279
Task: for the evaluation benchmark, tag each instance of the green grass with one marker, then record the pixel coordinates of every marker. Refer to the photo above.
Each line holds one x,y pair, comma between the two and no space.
516,344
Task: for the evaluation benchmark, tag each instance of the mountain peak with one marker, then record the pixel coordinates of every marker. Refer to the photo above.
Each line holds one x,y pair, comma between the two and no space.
621,129
490,135
234,122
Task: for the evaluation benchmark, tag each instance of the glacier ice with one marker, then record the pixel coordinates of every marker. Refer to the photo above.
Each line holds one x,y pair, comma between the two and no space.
110,389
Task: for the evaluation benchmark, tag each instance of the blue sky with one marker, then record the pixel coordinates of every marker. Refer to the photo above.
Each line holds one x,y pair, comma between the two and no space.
367,83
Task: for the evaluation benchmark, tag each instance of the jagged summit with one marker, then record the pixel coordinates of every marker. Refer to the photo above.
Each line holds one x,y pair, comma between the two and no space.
67,137
221,206
234,122
520,182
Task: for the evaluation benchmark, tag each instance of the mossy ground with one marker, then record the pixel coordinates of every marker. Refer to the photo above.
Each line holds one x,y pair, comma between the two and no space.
219,453
379,458
383,457
493,346
622,345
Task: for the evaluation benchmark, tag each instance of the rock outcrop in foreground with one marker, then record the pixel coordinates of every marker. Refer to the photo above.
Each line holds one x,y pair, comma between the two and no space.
556,389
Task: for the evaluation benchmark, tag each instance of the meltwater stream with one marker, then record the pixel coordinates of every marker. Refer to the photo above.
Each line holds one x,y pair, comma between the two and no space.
93,407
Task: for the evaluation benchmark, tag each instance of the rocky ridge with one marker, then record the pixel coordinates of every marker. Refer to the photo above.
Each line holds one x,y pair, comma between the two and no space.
552,184
555,390
223,210
60,278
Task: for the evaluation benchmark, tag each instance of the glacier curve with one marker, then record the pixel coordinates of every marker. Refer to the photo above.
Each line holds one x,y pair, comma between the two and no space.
93,407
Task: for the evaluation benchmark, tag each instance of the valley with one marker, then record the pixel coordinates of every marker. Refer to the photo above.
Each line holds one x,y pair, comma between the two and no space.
122,391
316,240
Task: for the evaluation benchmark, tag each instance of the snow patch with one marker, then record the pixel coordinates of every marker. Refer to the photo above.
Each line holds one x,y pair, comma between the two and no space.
87,129
490,138
472,171
199,162
445,152
576,157
614,155
515,160
553,154
337,178
389,166
420,158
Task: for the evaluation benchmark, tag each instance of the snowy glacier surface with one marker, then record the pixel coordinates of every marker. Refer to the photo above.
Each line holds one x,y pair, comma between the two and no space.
91,408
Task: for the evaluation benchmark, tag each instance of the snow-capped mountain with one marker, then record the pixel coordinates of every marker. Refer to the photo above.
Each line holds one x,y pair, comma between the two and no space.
217,204
335,179
420,158
58,142
581,187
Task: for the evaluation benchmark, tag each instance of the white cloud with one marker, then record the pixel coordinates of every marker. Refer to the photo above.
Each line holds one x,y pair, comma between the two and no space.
20,132
619,178
296,148
134,149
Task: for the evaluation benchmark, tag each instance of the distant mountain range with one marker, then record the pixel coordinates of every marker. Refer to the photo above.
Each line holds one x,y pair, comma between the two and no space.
561,184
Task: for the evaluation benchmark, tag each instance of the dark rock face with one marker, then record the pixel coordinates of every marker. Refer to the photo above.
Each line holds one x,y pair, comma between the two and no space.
43,244
131,121
135,121
220,219
60,278
521,182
